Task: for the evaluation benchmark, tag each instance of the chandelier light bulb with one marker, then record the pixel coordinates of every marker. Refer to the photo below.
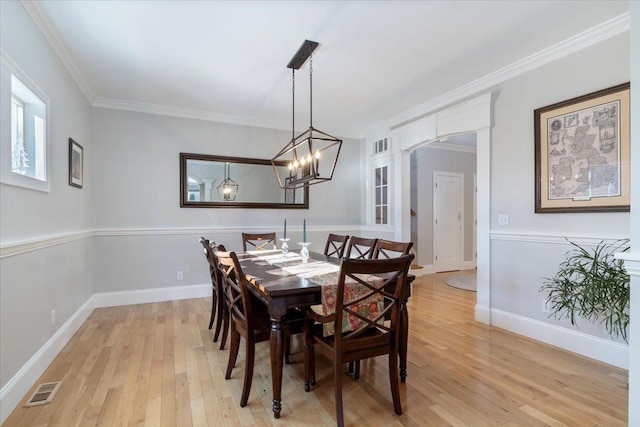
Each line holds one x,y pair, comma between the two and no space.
318,154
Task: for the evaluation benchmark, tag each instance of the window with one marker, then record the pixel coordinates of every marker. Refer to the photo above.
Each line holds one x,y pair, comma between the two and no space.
380,146
25,154
19,157
381,198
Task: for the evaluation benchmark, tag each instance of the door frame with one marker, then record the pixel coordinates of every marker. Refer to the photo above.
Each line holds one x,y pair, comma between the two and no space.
473,115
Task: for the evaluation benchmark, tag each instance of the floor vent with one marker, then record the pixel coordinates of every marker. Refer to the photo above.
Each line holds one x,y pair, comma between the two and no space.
43,394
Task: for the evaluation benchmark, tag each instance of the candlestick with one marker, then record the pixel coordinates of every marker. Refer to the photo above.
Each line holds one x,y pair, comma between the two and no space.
304,230
285,228
284,247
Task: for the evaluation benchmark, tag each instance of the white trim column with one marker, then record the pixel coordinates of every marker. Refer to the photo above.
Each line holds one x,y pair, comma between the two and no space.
483,170
474,115
402,205
632,259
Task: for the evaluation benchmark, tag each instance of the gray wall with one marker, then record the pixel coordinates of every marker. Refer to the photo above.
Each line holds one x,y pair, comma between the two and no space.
144,237
424,161
531,246
57,277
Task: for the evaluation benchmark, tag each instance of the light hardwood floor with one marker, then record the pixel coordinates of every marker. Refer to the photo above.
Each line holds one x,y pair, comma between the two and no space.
155,364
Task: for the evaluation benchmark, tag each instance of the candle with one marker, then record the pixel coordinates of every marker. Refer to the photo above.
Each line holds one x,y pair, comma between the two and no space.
304,230
285,228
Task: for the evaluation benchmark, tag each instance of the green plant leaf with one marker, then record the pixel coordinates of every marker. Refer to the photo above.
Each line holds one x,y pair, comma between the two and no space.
593,285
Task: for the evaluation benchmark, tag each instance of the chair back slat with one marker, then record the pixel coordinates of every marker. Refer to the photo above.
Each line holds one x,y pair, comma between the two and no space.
389,249
258,241
361,248
336,245
393,272
236,290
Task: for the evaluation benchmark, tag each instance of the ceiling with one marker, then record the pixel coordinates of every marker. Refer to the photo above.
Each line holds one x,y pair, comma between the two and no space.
226,60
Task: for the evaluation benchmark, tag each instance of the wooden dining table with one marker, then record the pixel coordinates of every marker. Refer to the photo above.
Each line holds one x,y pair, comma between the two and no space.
280,290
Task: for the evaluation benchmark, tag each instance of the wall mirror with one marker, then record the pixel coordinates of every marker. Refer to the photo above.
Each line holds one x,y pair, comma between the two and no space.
202,180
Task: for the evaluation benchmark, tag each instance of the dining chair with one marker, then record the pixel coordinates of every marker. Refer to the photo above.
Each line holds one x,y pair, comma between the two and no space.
382,249
225,309
217,298
258,241
360,247
249,318
389,249
370,336
336,245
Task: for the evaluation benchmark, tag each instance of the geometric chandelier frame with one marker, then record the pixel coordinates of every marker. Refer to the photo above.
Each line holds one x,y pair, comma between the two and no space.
311,157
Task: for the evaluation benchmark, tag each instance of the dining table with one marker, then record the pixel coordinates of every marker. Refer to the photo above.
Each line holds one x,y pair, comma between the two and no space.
283,282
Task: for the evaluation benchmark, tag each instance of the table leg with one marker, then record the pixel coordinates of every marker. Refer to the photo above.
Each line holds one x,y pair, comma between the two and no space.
277,354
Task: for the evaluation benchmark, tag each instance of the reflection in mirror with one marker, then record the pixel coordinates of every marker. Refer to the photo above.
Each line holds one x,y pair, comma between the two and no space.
208,181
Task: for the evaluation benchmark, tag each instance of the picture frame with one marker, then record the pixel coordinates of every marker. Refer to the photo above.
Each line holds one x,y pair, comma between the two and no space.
582,153
76,164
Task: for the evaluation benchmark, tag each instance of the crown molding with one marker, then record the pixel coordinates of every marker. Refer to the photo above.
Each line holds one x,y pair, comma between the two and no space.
189,113
601,32
596,34
53,37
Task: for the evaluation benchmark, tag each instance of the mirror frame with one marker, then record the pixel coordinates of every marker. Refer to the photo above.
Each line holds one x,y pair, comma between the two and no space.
256,205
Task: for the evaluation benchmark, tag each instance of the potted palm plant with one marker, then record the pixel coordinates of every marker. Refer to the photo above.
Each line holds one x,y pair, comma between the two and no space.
592,284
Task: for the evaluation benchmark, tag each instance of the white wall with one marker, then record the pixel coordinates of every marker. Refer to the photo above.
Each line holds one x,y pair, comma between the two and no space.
531,246
45,262
144,237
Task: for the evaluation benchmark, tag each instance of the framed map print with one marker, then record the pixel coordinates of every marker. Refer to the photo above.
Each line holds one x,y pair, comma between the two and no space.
582,150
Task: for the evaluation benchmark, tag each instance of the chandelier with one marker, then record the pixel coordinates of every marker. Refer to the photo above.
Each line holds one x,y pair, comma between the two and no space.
228,188
310,157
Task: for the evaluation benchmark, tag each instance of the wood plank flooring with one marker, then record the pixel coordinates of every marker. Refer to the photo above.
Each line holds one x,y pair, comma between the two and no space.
155,365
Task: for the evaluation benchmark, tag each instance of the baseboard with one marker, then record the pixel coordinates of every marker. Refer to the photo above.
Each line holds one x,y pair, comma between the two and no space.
469,265
16,388
483,314
600,349
143,296
425,269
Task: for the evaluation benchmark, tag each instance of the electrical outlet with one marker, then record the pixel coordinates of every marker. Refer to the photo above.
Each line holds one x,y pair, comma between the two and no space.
53,317
179,275
545,306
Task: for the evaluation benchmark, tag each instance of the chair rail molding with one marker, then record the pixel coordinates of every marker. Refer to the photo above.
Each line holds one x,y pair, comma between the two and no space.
8,249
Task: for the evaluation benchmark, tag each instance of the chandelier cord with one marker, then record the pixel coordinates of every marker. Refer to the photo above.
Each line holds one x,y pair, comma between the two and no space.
311,91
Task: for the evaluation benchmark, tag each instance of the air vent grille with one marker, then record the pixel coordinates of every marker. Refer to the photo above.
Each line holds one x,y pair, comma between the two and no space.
43,394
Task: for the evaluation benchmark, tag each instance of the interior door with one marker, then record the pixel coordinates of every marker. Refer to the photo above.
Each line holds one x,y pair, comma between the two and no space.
447,221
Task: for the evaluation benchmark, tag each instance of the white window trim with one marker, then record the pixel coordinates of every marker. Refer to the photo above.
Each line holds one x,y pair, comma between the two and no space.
7,176
377,160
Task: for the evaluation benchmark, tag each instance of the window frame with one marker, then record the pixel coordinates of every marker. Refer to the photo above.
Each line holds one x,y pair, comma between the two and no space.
7,176
384,185
375,161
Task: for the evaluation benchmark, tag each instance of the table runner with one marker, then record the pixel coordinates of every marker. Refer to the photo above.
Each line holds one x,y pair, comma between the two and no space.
326,275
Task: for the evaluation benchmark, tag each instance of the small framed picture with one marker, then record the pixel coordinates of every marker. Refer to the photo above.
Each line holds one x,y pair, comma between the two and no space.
582,153
76,163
